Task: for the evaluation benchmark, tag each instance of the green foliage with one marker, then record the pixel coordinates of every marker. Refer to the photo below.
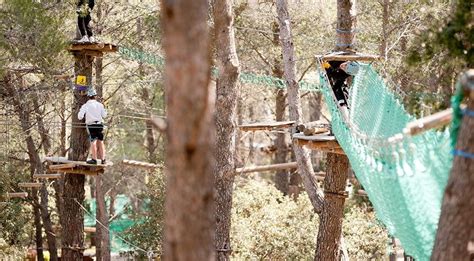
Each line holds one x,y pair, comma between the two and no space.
147,233
30,33
269,226
365,238
455,37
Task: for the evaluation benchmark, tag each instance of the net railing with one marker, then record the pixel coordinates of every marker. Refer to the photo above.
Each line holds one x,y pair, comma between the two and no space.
404,178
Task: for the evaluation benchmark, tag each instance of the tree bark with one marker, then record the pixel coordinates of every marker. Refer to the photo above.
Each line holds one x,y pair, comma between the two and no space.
72,216
346,24
22,109
455,236
98,191
189,205
226,109
38,226
330,228
302,155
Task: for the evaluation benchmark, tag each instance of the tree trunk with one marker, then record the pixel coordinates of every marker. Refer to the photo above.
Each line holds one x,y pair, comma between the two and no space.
385,23
22,109
455,236
302,155
346,23
282,177
189,206
98,189
330,228
38,226
72,216
102,232
226,109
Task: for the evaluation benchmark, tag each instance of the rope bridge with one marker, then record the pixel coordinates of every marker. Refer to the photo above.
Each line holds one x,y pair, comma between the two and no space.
404,178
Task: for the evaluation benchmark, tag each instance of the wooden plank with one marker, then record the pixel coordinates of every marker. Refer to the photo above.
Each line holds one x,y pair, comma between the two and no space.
58,160
47,176
435,120
89,230
319,142
341,56
272,167
266,125
317,138
81,172
17,195
61,166
30,185
101,47
140,164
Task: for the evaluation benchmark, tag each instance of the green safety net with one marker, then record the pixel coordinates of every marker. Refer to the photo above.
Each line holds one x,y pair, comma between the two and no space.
119,224
404,177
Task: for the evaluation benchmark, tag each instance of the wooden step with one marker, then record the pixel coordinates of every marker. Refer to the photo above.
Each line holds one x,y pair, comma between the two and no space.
17,195
30,185
47,176
140,164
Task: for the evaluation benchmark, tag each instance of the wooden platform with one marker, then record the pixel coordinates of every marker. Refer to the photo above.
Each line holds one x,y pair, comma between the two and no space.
266,125
322,142
93,49
345,56
63,165
140,164
30,185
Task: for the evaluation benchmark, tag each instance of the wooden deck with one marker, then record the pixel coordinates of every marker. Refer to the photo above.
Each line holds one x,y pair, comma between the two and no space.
93,49
341,56
322,142
266,125
63,165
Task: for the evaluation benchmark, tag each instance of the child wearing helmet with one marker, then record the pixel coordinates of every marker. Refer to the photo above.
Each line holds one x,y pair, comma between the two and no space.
94,114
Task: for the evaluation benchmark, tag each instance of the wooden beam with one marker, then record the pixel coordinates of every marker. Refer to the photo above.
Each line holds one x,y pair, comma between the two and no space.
61,166
319,142
17,195
63,160
158,123
273,167
266,125
89,229
30,185
81,172
341,56
140,164
100,47
435,120
47,176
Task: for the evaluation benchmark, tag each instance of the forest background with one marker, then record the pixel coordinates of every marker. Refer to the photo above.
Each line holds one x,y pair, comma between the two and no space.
33,42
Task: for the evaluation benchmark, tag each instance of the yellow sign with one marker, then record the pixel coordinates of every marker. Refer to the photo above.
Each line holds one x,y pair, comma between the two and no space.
81,80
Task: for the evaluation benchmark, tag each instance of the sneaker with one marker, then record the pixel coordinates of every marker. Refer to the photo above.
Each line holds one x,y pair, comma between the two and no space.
103,162
92,161
84,39
92,39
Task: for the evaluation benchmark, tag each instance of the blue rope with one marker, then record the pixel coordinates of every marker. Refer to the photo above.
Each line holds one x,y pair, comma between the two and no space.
463,154
467,112
347,31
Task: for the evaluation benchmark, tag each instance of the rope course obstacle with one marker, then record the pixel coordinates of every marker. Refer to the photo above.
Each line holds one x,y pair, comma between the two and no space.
404,178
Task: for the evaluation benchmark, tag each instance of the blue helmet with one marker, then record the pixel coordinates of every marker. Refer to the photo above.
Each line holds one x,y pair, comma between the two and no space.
352,68
91,92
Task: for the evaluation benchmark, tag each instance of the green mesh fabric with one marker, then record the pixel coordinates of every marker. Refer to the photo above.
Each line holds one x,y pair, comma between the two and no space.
405,178
119,224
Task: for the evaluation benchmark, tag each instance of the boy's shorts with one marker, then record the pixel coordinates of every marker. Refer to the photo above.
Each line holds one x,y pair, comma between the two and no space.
95,132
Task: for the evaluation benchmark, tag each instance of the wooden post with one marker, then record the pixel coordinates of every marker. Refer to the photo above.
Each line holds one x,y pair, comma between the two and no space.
72,216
